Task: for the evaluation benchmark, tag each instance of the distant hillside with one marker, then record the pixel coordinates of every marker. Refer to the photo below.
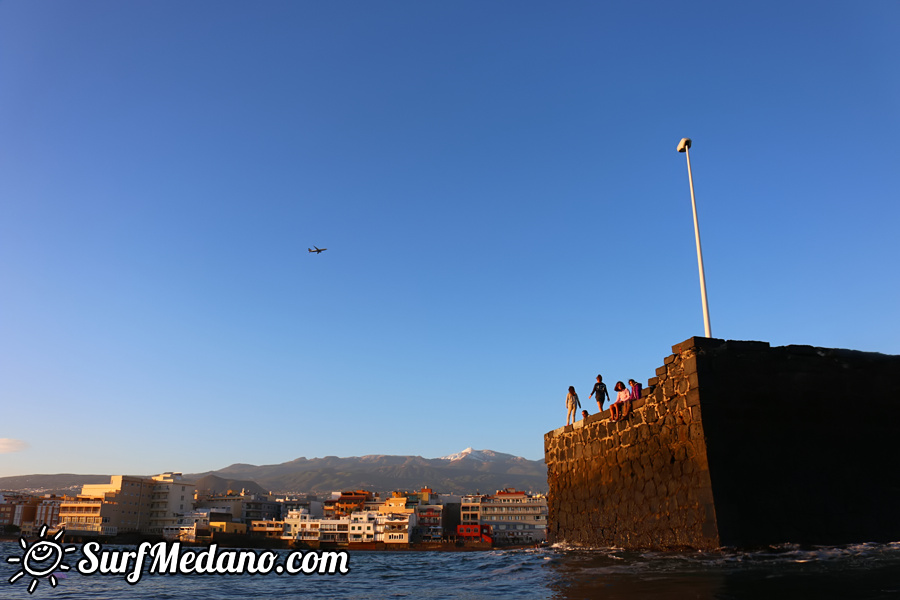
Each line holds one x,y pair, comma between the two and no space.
468,471
217,485
62,483
471,470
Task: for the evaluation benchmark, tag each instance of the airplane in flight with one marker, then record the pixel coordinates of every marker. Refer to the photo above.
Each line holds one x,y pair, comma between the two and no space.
317,249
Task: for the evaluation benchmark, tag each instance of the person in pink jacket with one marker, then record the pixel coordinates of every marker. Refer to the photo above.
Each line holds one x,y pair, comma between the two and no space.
616,410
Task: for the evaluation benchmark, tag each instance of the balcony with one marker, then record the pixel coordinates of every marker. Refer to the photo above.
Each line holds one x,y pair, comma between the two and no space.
88,528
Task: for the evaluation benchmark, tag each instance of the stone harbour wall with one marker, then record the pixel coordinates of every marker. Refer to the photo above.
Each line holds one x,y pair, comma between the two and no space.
736,444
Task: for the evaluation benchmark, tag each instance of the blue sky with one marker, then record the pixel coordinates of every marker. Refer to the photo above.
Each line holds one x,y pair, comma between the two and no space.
497,186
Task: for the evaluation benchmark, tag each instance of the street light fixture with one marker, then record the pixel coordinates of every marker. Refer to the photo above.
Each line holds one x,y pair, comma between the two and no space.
683,146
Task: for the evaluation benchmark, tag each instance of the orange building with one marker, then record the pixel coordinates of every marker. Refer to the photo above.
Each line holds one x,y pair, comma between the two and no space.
347,503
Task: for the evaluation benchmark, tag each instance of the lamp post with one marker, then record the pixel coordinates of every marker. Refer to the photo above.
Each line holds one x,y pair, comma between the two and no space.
683,146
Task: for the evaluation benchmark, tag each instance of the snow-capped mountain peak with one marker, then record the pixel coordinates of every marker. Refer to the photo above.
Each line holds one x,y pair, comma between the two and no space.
471,453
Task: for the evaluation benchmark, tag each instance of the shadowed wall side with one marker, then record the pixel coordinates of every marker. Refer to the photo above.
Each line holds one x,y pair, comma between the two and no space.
802,443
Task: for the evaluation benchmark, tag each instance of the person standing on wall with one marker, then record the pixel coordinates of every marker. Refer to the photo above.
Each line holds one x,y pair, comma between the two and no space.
572,404
599,392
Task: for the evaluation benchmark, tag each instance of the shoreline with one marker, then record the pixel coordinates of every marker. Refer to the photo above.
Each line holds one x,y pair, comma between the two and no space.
250,543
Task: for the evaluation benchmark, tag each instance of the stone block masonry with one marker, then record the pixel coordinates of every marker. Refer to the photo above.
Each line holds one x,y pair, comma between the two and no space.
736,444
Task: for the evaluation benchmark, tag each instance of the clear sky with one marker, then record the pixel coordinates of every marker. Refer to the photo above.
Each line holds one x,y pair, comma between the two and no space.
498,188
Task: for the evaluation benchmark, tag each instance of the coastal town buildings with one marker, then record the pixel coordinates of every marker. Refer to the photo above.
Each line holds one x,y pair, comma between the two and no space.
169,506
47,512
357,528
310,504
396,528
475,533
13,508
171,498
7,510
429,523
347,502
227,528
363,527
334,530
515,517
230,503
128,504
398,504
507,517
243,507
120,506
301,526
270,529
259,508
196,524
470,511
26,514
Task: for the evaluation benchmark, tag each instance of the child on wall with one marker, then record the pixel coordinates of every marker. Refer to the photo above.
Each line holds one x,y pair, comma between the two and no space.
572,404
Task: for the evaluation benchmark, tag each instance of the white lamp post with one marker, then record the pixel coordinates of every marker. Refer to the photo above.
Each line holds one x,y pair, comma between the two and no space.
683,146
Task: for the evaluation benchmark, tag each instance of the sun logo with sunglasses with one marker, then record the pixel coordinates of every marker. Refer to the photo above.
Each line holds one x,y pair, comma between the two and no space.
41,559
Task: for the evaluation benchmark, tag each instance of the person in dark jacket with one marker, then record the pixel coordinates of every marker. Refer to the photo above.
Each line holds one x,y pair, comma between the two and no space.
599,392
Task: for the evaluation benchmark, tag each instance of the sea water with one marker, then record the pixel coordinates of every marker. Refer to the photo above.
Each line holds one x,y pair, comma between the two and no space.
865,571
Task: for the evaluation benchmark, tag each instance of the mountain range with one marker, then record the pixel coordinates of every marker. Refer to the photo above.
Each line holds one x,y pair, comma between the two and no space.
468,471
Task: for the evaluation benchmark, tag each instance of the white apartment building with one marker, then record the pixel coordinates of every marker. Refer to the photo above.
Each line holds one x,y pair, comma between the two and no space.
396,528
359,527
171,498
363,526
301,526
188,525
334,530
514,517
